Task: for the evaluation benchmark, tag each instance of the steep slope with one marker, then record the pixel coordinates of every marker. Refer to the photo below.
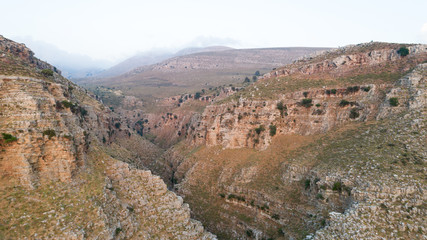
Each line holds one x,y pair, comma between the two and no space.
57,180
308,97
345,153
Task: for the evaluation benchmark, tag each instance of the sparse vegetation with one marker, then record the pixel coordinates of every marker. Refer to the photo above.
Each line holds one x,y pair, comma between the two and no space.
394,101
353,89
50,133
366,89
319,196
337,186
272,130
9,138
307,184
305,94
259,129
67,104
282,108
344,103
354,113
307,102
47,72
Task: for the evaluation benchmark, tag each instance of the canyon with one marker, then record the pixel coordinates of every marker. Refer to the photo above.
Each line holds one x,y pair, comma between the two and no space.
329,146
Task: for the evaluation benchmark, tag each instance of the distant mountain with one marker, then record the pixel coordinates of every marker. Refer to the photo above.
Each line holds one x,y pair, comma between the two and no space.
192,50
151,57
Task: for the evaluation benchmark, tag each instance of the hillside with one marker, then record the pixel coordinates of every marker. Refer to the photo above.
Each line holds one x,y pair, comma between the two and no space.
329,147
59,178
194,72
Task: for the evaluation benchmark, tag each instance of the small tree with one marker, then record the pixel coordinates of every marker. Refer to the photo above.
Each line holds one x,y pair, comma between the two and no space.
257,73
307,102
254,78
281,108
197,95
259,129
47,72
403,51
354,113
272,130
9,138
344,103
247,80
50,133
394,101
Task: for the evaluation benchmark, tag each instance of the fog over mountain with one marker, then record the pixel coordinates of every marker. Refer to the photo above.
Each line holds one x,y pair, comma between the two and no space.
72,65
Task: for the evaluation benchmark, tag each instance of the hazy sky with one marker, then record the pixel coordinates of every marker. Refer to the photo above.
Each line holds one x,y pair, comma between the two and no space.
111,30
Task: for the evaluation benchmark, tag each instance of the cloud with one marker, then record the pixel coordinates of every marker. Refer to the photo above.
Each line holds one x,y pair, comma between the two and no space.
206,41
423,33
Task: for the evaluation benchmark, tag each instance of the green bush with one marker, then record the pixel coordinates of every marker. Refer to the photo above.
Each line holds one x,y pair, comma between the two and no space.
366,89
318,105
250,233
50,133
272,130
305,94
83,111
47,72
9,138
67,104
259,129
344,103
354,113
394,101
403,51
333,91
282,108
281,232
337,186
247,80
307,184
307,102
353,89
197,95
275,216
319,196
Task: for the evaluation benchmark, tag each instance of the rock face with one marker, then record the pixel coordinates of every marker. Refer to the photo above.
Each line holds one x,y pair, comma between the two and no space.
246,122
234,125
55,135
348,164
147,210
345,59
49,140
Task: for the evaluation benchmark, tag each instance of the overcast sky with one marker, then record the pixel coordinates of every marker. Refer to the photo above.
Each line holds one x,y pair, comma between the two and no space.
112,30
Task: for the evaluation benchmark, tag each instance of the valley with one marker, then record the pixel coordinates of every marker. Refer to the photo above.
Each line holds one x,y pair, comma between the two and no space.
279,143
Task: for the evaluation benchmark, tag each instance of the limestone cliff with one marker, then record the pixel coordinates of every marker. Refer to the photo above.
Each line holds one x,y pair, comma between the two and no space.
344,159
307,97
58,179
